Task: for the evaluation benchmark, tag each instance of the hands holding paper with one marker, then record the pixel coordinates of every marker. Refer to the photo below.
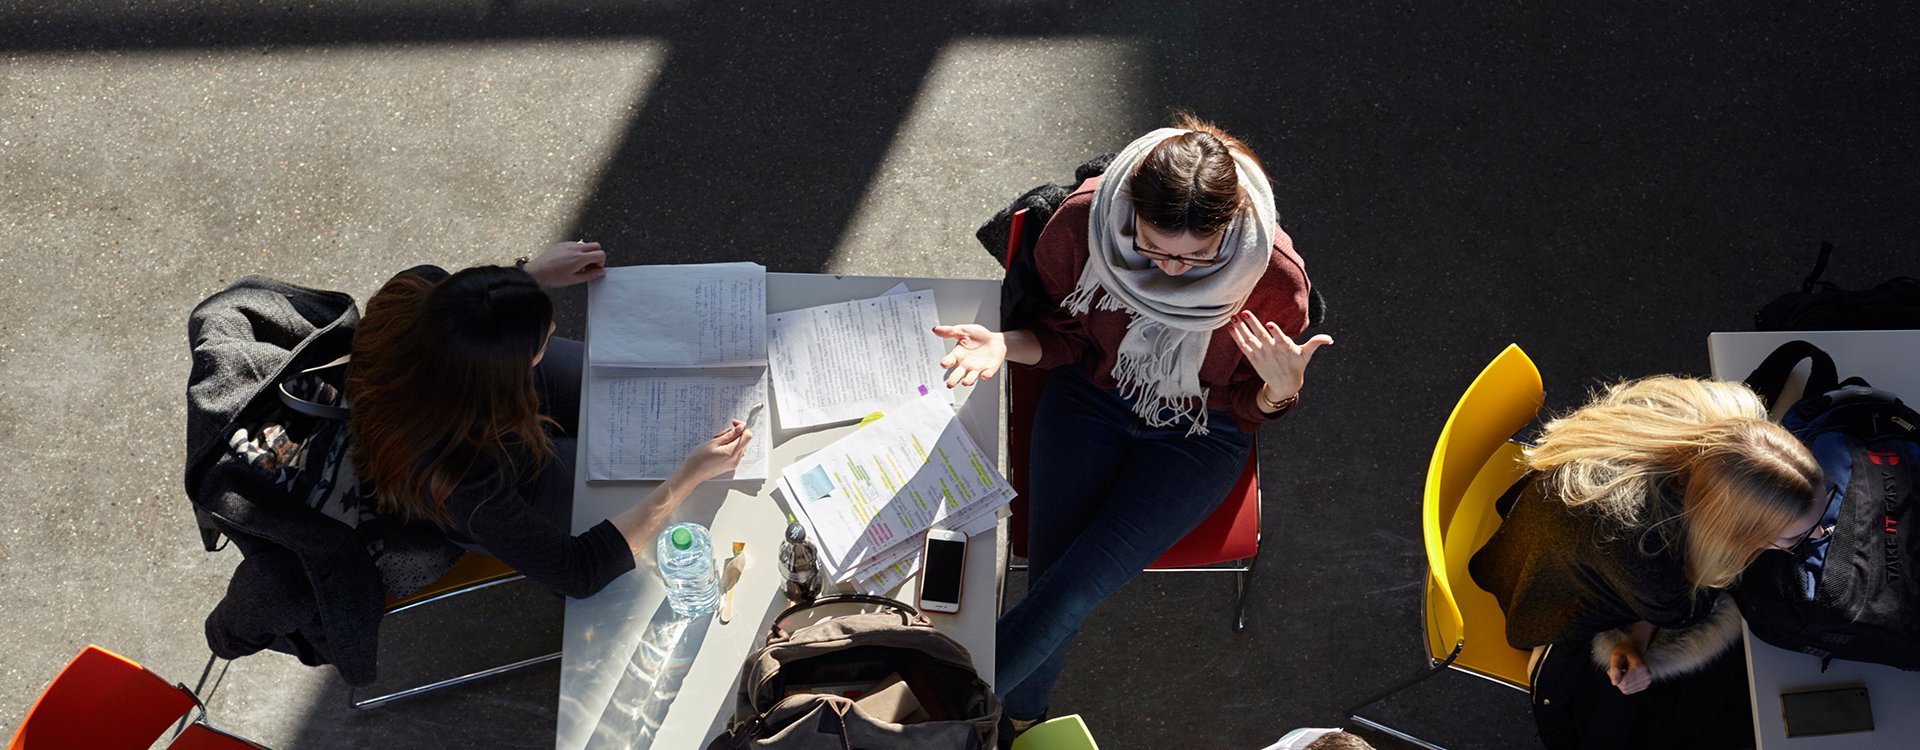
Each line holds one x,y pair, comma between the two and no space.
567,263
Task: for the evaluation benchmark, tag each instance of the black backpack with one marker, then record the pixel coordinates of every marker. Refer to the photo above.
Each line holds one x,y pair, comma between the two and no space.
1824,306
1854,594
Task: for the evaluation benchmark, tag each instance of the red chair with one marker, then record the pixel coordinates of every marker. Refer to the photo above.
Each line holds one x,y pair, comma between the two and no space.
104,700
1228,541
202,736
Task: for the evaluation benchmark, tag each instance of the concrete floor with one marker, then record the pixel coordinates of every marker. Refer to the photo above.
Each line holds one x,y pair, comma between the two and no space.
1602,185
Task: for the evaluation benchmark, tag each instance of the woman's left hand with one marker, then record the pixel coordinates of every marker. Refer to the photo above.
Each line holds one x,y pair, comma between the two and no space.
568,263
1279,361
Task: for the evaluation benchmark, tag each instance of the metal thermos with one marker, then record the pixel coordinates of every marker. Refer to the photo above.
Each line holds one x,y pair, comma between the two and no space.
800,562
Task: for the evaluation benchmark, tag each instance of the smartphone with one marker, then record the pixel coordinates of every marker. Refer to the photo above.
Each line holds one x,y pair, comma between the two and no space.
942,566
1834,711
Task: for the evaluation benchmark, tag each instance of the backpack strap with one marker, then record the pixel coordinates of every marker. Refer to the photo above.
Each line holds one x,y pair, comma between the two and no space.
1770,378
1819,267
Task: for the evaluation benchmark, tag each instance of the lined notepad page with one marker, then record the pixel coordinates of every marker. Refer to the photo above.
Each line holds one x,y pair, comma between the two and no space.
677,351
706,315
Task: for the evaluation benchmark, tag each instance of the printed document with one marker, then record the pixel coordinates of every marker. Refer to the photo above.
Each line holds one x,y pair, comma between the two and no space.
677,352
841,362
870,497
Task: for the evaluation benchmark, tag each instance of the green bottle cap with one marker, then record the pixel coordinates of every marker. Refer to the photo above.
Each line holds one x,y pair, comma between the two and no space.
682,538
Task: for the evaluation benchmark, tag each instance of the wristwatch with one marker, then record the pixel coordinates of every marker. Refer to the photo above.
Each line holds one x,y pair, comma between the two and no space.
521,263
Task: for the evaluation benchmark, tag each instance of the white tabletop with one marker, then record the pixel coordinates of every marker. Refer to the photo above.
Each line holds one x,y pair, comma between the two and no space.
1888,360
635,676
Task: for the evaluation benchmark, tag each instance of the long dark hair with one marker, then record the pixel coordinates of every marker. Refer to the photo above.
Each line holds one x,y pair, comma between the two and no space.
1189,183
442,377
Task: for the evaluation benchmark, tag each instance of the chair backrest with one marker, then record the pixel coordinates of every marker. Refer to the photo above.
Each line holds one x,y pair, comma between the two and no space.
200,736
102,699
1065,733
1473,464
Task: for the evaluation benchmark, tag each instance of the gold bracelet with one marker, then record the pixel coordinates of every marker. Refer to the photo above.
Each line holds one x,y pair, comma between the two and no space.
1270,405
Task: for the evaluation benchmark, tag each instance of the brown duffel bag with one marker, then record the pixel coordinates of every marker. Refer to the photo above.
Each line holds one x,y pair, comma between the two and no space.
881,680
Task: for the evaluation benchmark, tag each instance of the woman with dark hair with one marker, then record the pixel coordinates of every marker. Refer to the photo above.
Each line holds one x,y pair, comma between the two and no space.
1175,297
465,409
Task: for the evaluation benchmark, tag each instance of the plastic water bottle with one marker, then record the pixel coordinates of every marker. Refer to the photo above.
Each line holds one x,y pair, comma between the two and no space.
799,561
686,561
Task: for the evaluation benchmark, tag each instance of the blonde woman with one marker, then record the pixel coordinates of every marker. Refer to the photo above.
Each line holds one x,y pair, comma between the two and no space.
1639,508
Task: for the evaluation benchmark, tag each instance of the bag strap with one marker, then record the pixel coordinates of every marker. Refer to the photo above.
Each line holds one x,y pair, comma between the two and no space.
906,611
1819,267
313,408
1770,378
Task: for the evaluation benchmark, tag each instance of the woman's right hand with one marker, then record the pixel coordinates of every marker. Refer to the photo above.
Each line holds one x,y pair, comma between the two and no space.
1627,670
977,353
719,455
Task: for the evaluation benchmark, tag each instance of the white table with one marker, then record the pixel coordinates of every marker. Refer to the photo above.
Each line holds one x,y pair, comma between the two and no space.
635,676
1890,360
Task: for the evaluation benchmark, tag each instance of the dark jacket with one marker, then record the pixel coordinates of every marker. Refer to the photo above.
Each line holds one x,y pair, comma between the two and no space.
308,585
1562,572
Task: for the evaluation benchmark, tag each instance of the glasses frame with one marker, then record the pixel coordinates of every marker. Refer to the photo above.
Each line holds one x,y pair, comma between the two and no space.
1806,536
1155,255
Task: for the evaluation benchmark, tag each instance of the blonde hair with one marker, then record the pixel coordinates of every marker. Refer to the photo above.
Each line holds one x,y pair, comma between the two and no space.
1743,477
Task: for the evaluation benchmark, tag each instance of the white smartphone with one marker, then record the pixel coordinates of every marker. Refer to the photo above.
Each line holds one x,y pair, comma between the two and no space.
942,567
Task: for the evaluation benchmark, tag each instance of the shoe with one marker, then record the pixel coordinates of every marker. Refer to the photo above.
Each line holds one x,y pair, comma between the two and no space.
1007,731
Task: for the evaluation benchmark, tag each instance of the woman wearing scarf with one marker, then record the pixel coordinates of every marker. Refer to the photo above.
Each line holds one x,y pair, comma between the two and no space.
1176,299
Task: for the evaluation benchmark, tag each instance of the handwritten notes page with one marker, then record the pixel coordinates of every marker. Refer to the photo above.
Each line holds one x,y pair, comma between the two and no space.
870,497
841,362
676,352
645,422
706,315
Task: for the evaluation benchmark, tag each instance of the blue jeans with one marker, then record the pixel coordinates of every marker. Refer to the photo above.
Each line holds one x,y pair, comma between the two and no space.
1108,495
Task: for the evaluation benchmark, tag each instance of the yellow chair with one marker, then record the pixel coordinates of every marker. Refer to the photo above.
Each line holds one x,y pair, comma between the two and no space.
1473,464
1064,733
472,572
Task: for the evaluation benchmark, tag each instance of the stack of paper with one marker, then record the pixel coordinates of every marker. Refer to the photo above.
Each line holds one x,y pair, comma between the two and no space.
841,362
678,352
869,498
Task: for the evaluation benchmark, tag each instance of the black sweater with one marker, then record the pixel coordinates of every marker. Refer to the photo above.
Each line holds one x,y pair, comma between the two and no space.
522,516
1563,572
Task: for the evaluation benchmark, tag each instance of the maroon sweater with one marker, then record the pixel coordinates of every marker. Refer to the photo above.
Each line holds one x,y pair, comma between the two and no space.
1093,339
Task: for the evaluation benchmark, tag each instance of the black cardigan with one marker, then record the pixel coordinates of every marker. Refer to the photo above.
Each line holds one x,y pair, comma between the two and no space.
1563,572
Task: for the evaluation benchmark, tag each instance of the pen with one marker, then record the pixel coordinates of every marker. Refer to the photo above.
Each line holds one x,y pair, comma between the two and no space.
753,411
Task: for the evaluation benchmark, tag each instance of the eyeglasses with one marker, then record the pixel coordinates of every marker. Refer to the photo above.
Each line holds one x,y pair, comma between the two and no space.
1155,255
1814,532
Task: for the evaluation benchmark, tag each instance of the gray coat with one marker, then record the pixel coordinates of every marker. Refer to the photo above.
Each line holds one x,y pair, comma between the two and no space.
307,585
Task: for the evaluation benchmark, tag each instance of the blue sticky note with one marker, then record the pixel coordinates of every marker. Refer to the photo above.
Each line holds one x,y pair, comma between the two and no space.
815,484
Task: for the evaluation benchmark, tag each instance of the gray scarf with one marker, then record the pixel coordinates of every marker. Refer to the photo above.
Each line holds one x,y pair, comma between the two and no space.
1172,317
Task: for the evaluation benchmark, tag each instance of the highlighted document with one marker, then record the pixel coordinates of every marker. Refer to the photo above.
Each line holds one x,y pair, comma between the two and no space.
888,482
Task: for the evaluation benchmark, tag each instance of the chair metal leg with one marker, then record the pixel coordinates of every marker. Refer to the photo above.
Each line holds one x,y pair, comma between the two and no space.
1243,590
380,700
1354,713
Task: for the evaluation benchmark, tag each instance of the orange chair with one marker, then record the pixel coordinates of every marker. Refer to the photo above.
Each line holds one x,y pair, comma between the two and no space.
104,700
472,572
202,736
1228,541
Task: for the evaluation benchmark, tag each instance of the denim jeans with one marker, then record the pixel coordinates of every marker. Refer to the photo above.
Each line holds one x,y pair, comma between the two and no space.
1108,495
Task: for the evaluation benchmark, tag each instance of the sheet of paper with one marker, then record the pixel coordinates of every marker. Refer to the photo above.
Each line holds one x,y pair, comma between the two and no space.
894,568
704,315
841,362
645,423
890,481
